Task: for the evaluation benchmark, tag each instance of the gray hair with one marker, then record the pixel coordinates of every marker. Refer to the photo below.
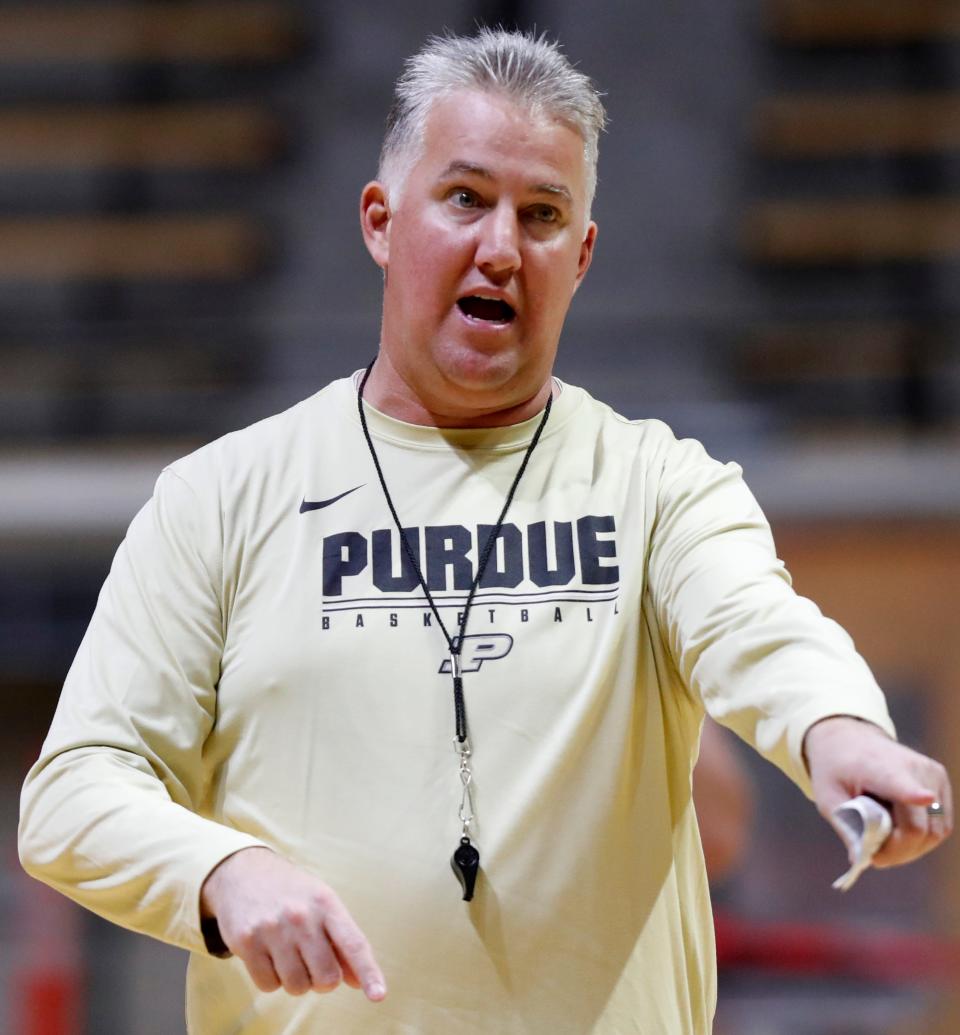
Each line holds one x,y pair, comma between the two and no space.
525,68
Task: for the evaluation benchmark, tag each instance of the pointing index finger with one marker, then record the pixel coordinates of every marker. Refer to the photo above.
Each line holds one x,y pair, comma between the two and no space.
353,948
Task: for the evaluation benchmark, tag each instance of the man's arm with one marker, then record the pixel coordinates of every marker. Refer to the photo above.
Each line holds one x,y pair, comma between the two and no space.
110,810
847,757
768,664
109,813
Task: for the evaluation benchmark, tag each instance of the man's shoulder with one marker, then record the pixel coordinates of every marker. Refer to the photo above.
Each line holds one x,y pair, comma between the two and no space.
268,445
646,432
646,444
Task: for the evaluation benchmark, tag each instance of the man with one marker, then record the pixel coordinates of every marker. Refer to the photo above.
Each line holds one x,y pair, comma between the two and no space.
252,754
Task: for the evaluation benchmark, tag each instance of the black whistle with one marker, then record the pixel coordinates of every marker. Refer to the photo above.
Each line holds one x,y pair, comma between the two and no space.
465,863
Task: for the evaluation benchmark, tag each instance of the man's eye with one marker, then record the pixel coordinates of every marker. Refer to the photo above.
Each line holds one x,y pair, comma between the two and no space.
464,199
545,213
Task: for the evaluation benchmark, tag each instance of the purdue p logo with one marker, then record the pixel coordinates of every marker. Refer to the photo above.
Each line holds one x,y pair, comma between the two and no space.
478,649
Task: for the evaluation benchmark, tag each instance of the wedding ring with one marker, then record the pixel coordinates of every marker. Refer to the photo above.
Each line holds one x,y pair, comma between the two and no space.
935,809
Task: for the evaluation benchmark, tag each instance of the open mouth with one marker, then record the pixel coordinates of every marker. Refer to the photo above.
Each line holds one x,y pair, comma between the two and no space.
492,310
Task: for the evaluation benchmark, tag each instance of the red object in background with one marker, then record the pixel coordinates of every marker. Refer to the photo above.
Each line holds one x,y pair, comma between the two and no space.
46,989
810,950
49,1003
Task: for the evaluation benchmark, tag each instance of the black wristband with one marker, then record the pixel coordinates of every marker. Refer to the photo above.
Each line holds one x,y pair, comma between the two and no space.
216,946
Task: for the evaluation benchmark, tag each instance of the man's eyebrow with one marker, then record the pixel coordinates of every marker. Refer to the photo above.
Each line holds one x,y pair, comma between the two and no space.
556,189
460,167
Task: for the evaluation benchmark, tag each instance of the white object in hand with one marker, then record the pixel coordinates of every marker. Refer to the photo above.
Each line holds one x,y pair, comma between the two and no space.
864,824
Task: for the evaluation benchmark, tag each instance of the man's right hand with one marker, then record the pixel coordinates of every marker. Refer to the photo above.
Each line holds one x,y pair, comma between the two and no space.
290,929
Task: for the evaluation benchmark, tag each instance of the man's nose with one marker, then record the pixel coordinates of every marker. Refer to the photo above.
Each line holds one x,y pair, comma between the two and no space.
498,248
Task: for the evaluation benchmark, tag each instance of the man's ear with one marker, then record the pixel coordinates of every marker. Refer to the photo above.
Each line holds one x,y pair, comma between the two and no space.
586,253
375,222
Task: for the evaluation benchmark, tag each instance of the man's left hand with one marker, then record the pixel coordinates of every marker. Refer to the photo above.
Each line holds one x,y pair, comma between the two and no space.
847,757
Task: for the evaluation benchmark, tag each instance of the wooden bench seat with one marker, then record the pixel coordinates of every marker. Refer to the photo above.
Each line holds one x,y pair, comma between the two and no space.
204,136
831,232
840,125
179,31
834,351
172,247
862,22
146,359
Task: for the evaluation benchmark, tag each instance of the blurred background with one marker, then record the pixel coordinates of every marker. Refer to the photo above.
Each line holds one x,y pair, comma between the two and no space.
776,274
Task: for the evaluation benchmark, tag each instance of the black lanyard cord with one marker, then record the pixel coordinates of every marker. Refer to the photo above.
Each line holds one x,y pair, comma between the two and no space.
455,646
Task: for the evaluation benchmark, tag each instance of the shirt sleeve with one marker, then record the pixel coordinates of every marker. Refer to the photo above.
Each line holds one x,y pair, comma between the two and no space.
763,660
110,812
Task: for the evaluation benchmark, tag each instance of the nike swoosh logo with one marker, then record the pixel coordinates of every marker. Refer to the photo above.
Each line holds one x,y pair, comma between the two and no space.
320,504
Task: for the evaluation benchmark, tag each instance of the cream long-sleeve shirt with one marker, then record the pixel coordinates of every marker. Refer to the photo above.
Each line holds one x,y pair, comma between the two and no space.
262,669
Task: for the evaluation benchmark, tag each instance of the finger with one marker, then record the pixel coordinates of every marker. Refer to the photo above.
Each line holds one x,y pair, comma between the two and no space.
903,787
354,950
260,968
918,831
349,977
290,968
910,838
942,825
321,962
940,829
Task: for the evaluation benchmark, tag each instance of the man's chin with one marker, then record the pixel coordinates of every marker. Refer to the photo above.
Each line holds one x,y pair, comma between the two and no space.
489,387
457,381
474,369
490,401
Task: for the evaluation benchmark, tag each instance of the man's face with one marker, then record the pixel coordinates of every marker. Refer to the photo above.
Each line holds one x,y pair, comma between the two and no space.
482,254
